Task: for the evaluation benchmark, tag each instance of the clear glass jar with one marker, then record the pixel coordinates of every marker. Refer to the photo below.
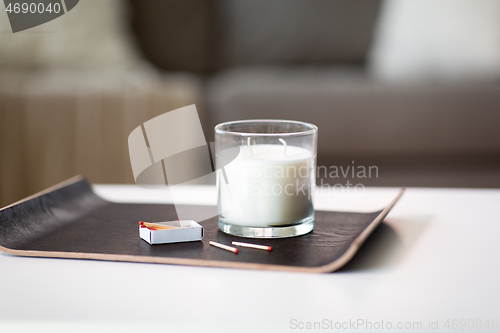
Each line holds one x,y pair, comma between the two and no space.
266,176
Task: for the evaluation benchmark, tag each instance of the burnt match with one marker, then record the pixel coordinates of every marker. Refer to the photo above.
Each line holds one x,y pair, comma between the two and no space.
224,247
253,246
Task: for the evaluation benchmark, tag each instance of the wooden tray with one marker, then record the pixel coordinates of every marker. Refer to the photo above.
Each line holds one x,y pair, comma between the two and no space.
70,221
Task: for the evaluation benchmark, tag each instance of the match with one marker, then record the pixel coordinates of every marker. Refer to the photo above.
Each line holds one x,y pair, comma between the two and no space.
157,226
253,246
224,247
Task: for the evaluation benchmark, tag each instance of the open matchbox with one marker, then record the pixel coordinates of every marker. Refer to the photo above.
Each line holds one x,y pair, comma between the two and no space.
185,231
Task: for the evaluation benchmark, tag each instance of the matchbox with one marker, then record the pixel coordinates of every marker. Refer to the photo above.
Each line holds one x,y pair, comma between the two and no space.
170,232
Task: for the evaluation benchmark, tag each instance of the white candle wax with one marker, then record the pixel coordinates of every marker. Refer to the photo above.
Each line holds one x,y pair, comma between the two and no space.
274,185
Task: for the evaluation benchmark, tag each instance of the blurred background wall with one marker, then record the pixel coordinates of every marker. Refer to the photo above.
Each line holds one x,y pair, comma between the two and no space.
411,86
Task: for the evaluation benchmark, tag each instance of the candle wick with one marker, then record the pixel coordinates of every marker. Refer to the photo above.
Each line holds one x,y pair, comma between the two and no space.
284,144
249,146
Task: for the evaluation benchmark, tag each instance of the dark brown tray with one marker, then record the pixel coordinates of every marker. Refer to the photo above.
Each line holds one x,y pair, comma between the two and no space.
70,221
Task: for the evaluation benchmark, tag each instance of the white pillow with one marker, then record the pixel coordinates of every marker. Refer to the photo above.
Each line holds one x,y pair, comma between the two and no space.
92,35
437,39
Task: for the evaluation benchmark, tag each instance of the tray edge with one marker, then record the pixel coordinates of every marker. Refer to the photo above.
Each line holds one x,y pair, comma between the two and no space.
328,268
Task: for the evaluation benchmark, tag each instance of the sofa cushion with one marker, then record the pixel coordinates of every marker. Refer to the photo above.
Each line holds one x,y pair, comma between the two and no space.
359,116
437,40
174,35
57,124
296,31
91,36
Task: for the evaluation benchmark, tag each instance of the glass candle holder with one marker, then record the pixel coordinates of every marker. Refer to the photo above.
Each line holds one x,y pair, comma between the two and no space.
266,176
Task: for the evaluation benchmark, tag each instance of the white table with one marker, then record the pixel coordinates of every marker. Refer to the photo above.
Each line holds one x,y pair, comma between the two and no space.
437,259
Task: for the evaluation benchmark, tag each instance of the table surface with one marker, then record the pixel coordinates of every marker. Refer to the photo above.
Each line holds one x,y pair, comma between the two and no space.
434,261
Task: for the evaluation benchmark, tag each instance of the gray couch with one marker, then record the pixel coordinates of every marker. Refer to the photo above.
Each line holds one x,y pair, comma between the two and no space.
235,59
306,60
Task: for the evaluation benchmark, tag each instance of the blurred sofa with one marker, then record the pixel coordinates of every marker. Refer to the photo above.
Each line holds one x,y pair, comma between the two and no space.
290,59
55,125
307,60
71,91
